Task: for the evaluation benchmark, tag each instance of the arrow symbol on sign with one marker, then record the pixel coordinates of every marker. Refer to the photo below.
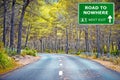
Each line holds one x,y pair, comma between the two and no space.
109,18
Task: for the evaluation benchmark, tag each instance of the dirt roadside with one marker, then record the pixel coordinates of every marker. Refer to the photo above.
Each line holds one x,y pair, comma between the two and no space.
21,62
107,64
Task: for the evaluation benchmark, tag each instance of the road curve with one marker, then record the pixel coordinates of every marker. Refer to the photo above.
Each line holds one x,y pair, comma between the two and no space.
62,67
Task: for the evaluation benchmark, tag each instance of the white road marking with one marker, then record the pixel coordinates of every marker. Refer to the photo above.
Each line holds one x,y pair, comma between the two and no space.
61,64
60,73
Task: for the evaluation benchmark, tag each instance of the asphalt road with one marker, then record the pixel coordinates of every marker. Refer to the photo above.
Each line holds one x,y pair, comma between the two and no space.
62,67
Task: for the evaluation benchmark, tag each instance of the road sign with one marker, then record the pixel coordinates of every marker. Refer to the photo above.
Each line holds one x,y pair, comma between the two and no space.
96,13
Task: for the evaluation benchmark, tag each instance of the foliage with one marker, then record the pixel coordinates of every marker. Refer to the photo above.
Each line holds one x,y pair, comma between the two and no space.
78,53
94,56
27,48
114,60
5,60
11,52
71,51
60,51
23,53
94,50
115,52
1,46
28,51
48,51
105,49
83,55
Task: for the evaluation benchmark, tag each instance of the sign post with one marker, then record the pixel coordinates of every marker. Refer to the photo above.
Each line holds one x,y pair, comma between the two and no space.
96,13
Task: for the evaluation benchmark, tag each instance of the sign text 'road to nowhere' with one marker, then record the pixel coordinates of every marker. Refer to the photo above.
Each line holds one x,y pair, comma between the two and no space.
96,13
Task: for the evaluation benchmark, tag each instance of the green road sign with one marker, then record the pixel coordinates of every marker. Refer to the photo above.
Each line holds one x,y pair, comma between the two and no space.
96,13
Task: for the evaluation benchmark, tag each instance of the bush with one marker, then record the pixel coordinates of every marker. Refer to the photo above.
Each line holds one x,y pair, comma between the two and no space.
105,49
5,61
27,48
94,50
94,55
83,55
78,53
115,60
61,51
70,51
115,52
23,53
12,53
29,52
1,45
48,51
34,51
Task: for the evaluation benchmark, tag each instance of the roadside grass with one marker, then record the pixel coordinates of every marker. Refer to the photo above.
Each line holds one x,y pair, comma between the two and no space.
113,59
7,62
28,51
5,70
83,55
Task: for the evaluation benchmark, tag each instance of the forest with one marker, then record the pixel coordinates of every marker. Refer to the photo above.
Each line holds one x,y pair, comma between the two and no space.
52,26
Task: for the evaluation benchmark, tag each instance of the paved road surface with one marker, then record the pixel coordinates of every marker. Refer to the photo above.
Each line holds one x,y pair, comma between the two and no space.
62,67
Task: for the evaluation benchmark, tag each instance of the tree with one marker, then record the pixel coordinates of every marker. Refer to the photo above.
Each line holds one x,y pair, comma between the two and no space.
12,25
27,36
4,22
67,48
86,39
25,4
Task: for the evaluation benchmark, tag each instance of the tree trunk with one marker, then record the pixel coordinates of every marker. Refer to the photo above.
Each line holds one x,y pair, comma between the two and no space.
109,41
86,39
77,39
98,40
66,41
56,46
41,45
4,23
20,26
12,25
118,44
27,36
